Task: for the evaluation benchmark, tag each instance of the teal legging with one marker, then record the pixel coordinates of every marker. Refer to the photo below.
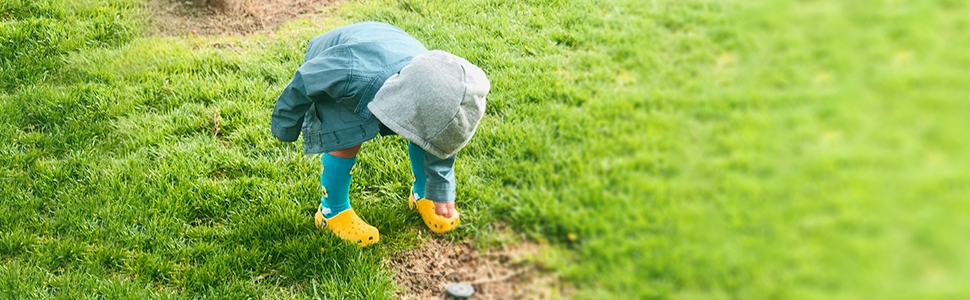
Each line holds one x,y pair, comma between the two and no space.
335,183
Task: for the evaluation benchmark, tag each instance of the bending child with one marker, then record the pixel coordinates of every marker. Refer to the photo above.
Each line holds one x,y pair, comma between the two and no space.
363,79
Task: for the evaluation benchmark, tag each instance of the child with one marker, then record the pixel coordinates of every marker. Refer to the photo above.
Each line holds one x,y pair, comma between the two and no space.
363,79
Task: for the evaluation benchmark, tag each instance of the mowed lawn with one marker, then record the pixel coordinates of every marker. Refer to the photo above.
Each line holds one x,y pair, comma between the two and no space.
660,149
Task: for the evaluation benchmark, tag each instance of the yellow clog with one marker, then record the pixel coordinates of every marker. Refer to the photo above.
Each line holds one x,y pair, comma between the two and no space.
435,222
348,226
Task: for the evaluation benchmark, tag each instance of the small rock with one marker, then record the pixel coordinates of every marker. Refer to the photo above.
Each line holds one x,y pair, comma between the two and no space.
460,290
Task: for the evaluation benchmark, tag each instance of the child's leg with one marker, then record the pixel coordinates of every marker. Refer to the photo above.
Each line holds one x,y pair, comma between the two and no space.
335,180
417,169
434,189
335,212
434,178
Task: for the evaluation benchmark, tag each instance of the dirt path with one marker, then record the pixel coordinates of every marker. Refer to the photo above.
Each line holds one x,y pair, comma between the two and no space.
224,17
508,272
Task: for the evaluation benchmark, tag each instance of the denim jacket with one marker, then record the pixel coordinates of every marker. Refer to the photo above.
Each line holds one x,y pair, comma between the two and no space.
342,70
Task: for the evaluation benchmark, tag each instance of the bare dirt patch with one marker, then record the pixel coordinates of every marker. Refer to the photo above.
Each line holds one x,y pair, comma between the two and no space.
225,17
508,272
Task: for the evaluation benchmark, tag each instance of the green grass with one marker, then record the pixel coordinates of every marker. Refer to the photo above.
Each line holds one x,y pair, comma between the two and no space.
697,149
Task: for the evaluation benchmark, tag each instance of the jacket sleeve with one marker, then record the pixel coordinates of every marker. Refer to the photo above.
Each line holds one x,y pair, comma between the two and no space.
440,186
323,77
289,110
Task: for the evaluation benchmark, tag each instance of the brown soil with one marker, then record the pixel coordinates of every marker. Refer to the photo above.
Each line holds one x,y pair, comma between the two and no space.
509,272
225,17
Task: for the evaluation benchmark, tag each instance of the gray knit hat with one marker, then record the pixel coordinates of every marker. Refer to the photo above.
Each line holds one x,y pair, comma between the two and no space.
436,102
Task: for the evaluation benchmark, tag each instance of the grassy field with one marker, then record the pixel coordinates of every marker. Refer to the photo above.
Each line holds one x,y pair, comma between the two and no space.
694,149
